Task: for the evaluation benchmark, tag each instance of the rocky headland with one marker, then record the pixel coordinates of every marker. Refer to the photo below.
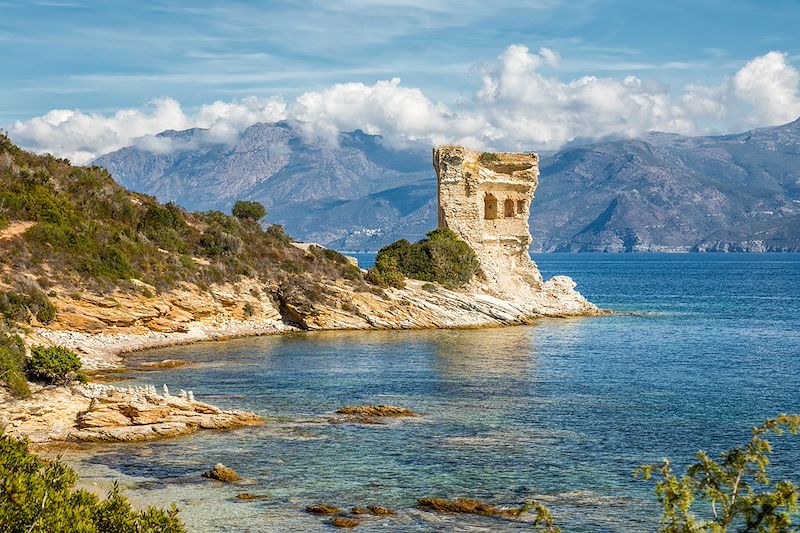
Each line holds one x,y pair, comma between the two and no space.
227,277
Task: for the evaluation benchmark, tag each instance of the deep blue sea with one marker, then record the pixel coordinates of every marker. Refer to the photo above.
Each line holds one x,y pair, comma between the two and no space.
705,347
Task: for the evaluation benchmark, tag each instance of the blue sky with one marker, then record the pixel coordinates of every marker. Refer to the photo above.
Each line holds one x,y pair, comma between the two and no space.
100,56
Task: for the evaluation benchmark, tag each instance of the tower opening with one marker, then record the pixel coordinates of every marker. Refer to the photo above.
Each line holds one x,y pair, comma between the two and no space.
489,206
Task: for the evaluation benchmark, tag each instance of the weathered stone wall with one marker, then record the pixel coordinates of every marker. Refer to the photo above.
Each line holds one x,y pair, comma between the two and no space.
485,199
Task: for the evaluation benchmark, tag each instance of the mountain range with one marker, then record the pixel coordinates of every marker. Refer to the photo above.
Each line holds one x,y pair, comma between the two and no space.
662,192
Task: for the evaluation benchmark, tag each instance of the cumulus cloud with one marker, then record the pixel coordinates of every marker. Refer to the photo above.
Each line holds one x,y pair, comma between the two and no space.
81,137
520,104
770,86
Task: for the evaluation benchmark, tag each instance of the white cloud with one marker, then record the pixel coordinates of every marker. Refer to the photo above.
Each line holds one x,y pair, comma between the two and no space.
770,86
516,107
83,136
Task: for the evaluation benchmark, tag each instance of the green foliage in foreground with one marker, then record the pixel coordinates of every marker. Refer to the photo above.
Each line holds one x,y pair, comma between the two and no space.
54,365
12,365
441,257
732,494
38,496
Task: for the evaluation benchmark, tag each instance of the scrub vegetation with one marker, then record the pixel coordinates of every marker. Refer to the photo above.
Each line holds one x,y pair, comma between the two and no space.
85,231
441,257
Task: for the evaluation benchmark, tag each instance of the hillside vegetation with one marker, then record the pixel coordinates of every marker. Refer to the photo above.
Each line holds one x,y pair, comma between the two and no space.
75,229
87,229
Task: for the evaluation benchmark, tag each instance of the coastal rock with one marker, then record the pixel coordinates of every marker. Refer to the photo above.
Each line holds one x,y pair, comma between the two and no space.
103,413
249,496
376,411
220,472
344,522
322,508
465,506
163,365
375,510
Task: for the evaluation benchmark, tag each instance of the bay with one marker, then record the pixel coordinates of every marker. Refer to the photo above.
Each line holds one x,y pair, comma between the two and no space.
704,347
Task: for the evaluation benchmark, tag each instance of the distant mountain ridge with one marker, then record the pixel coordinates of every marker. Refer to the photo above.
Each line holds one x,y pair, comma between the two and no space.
663,192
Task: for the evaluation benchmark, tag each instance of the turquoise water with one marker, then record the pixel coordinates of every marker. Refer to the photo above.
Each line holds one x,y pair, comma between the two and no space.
561,411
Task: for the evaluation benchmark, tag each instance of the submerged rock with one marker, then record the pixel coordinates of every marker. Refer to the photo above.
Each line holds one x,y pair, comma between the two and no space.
344,522
376,411
165,364
375,510
249,496
465,506
220,472
322,508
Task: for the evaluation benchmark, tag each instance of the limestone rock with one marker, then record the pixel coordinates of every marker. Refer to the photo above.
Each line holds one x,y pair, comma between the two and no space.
376,410
103,413
375,510
220,472
322,508
465,506
344,522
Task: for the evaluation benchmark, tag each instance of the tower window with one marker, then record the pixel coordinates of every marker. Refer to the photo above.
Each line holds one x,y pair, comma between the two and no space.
489,207
508,208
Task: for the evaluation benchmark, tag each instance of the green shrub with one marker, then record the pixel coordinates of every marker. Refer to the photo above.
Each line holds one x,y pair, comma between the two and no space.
38,496
14,307
164,225
53,365
12,365
244,210
454,262
487,158
278,232
217,242
385,272
111,263
20,306
441,257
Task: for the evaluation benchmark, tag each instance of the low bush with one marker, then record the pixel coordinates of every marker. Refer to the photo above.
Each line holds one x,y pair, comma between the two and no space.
53,365
217,242
386,272
38,496
21,306
244,210
12,365
278,232
441,257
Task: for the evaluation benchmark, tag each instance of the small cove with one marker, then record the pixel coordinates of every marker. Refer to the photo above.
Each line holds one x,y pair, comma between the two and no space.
562,410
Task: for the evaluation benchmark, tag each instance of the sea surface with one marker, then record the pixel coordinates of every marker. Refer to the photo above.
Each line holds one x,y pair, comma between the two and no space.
704,347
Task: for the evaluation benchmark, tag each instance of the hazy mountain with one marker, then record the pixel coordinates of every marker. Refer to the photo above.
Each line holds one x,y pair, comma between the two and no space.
661,192
296,180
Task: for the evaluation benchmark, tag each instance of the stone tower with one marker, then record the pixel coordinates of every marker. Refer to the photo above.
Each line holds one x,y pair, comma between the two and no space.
485,198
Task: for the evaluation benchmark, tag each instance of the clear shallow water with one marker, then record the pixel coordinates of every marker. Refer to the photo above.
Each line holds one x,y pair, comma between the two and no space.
561,411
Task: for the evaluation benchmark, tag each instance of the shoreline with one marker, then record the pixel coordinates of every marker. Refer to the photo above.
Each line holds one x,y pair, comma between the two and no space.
102,329
94,348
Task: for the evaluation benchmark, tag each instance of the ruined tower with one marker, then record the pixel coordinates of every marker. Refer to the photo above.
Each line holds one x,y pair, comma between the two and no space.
485,198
